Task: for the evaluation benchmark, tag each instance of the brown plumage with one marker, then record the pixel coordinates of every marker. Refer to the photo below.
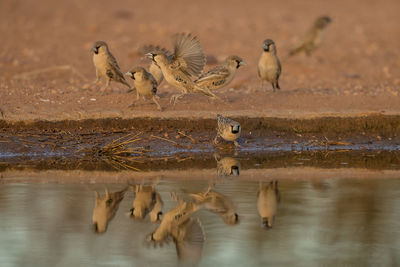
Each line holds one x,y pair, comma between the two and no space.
217,203
228,129
145,85
153,68
221,75
269,66
313,37
105,209
268,198
186,63
106,65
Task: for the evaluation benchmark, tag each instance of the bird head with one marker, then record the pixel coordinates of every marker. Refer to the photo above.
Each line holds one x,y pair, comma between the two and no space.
235,128
235,61
268,45
235,170
136,73
322,22
158,57
99,47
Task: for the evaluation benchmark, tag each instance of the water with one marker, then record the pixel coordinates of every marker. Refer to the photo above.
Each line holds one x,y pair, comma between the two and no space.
318,222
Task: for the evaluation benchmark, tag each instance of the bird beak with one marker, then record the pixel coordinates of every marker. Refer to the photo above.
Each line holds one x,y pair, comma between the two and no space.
149,55
265,47
130,74
94,49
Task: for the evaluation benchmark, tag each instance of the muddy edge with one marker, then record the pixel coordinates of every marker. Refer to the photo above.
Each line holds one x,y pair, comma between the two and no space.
383,125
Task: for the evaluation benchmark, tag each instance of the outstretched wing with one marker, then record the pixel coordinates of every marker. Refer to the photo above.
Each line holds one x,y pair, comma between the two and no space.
188,54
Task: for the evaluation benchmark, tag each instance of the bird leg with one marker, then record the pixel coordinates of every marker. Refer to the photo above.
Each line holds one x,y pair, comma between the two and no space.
236,143
158,105
106,87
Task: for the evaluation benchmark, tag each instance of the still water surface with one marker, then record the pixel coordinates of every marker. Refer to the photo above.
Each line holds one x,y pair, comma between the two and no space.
331,222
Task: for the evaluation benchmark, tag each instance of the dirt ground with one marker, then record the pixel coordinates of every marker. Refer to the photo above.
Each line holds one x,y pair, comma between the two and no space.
46,70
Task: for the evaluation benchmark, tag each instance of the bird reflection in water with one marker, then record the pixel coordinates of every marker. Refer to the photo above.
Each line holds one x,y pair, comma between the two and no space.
105,209
217,203
146,201
268,197
227,166
186,232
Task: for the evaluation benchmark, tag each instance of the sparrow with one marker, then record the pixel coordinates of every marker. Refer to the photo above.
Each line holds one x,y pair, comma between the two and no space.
217,203
153,68
228,166
186,63
147,200
268,198
228,129
269,66
145,84
221,75
313,37
106,65
105,209
172,220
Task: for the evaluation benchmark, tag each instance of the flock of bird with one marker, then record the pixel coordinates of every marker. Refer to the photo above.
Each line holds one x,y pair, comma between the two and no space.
183,68
186,232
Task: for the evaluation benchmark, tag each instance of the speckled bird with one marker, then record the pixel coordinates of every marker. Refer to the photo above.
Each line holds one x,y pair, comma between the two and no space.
221,75
228,129
186,63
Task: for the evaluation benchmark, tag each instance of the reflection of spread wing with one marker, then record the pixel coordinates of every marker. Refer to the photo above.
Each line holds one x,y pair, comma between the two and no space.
188,54
190,241
216,74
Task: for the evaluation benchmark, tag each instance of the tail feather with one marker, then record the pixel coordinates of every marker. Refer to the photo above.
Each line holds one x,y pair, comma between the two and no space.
204,91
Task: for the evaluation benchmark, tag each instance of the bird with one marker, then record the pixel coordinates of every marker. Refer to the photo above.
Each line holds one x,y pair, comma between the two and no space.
313,37
145,84
146,200
186,63
106,65
228,166
268,197
217,203
105,209
173,219
220,76
153,68
269,66
228,129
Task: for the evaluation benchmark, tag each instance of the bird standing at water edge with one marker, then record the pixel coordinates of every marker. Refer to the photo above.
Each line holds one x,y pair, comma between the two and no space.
269,66
228,129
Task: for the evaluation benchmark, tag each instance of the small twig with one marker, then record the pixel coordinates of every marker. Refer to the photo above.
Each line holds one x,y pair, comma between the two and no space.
30,74
165,139
191,138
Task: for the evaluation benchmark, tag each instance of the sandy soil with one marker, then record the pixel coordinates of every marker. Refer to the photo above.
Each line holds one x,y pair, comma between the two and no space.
46,68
